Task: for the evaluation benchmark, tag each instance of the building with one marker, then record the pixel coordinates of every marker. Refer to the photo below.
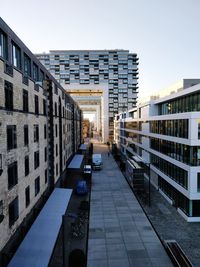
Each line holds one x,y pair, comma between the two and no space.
40,130
86,128
103,79
165,133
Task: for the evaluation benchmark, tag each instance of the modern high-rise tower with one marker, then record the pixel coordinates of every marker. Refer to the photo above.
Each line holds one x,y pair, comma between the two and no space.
101,81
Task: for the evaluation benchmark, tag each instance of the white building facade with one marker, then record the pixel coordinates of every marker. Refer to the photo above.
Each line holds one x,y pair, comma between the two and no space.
165,132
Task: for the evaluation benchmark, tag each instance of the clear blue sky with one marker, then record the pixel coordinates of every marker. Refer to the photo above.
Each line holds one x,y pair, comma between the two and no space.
164,33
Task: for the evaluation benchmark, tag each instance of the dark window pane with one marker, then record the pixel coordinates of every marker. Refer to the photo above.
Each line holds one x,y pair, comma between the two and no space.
8,95
36,133
36,159
37,185
26,139
25,100
27,196
26,165
12,175
13,211
45,131
27,65
3,45
36,105
16,56
11,137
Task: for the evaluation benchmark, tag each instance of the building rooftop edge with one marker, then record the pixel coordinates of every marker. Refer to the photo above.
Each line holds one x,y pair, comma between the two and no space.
92,50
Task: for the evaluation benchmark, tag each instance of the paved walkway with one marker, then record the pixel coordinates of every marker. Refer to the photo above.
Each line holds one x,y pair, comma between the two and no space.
120,235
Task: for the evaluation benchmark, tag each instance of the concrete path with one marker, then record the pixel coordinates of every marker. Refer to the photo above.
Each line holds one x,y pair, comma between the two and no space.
120,235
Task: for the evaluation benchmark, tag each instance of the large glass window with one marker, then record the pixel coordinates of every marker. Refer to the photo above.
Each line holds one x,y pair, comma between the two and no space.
177,128
3,45
188,103
35,72
187,154
16,56
176,173
27,65
179,200
41,76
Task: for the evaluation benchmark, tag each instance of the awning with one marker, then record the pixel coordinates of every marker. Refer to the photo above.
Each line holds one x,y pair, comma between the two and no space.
37,247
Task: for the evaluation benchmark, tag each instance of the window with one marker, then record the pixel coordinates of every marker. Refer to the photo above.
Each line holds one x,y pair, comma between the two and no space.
12,175
11,137
56,89
26,165
198,129
36,105
8,95
16,56
36,159
55,109
37,185
57,169
45,154
3,45
13,211
27,196
46,177
1,207
45,131
35,72
26,139
56,150
44,107
56,130
25,100
198,182
36,133
41,76
27,65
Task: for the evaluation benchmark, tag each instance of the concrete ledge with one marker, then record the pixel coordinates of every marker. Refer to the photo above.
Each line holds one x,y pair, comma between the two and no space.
188,219
166,197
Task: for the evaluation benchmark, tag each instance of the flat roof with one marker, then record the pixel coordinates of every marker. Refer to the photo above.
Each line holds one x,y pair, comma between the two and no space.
37,247
76,162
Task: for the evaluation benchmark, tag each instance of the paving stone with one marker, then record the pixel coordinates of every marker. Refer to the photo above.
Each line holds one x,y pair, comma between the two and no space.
140,262
97,263
119,228
97,255
118,263
134,246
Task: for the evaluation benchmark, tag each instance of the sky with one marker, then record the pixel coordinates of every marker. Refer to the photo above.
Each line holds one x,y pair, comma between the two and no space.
164,33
